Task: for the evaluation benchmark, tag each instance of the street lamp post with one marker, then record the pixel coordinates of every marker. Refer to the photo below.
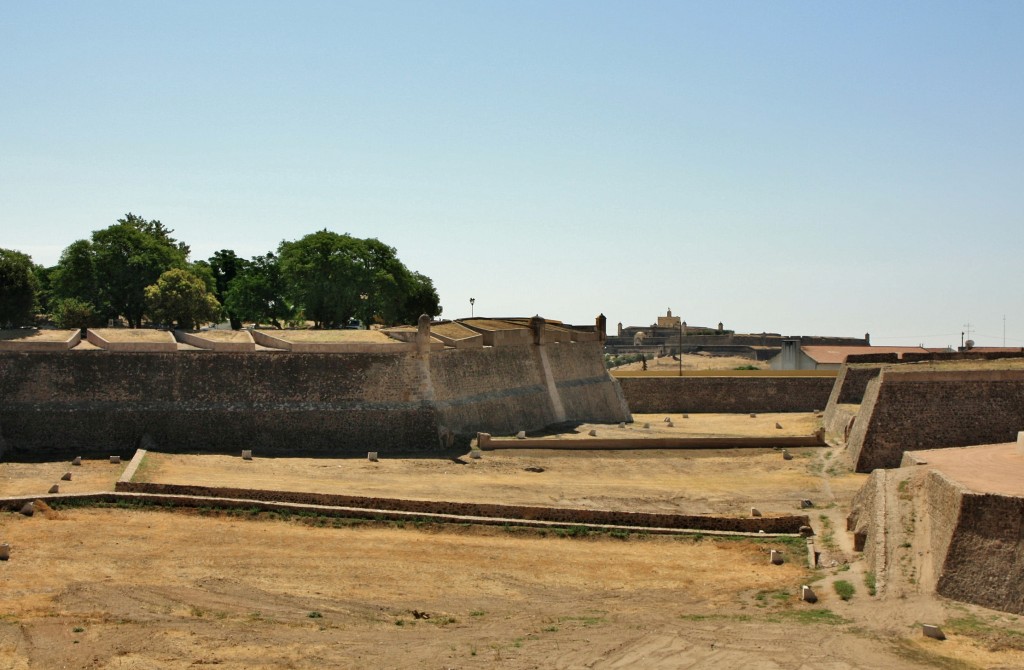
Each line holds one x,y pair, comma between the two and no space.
680,352
472,302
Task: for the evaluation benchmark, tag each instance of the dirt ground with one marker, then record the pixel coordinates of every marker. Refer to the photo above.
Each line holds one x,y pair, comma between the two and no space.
145,588
728,481
698,361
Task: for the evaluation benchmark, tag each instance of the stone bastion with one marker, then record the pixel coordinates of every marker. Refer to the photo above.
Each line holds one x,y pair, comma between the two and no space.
948,521
404,392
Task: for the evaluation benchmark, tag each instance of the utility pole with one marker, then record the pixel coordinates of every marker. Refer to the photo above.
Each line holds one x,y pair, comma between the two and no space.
472,302
680,347
968,327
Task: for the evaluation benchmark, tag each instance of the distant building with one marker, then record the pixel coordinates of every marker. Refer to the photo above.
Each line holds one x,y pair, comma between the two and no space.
670,335
795,356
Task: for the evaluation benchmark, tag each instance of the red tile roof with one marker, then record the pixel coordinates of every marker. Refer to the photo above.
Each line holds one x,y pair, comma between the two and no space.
827,354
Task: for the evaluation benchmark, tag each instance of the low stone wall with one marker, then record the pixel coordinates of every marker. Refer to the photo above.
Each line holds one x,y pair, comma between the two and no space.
486,443
908,410
783,524
650,395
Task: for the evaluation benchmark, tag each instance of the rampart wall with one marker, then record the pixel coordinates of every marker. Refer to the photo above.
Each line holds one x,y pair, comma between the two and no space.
726,394
985,555
905,410
97,403
964,545
780,524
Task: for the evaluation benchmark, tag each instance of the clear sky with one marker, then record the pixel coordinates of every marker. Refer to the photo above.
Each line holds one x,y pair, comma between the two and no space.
798,167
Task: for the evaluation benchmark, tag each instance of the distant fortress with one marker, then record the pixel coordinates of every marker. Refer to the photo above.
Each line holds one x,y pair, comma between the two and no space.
670,335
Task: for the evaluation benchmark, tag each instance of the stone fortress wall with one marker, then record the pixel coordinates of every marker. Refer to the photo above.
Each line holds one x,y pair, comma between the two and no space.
727,394
905,409
423,398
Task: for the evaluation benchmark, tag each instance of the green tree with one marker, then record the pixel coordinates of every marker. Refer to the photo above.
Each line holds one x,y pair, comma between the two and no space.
421,298
257,293
225,266
129,256
180,297
322,276
336,278
74,277
18,286
75,313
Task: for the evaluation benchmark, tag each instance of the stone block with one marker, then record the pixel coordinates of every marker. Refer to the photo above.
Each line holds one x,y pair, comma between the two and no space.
647,425
807,594
521,435
246,454
28,509
753,416
778,425
622,424
805,503
77,461
755,512
776,557
686,416
54,489
372,456
786,455
5,551
932,631
476,453
115,459
592,433
66,477
1020,442
668,420
806,531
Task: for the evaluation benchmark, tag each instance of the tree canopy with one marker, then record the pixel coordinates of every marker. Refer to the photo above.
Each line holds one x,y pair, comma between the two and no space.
17,289
122,272
337,278
180,298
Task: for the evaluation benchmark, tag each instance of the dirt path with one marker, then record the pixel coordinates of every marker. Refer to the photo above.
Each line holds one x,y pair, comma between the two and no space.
140,589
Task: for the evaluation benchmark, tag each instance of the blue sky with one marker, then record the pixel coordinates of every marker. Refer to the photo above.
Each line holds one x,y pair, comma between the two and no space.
796,167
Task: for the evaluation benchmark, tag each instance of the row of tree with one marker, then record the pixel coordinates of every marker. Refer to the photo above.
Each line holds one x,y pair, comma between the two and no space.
136,271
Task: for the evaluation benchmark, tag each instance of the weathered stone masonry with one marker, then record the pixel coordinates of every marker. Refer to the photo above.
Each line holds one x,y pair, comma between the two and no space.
96,403
726,394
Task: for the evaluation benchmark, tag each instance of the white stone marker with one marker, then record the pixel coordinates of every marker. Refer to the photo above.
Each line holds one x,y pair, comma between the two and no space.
592,433
753,416
77,461
246,454
5,551
786,456
686,416
476,453
1020,442
54,489
622,424
115,459
807,594
66,477
755,512
932,631
670,425
778,425
521,435
776,557
28,509
372,456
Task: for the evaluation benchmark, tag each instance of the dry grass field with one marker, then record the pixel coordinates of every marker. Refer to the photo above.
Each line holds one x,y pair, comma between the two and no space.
141,587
